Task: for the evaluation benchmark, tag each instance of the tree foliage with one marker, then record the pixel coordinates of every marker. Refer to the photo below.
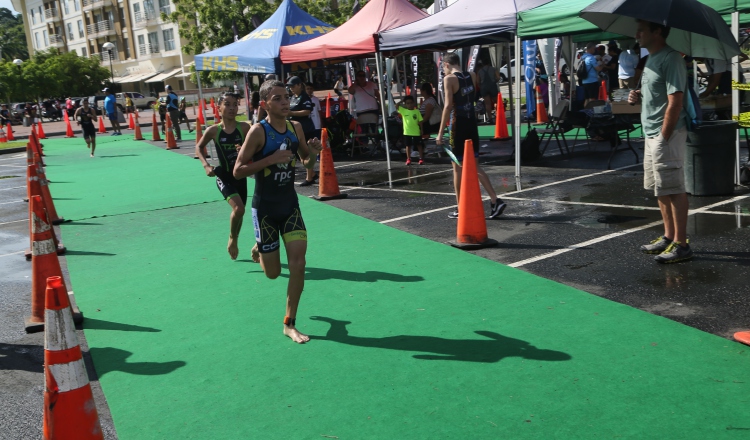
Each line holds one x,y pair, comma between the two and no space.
12,36
51,74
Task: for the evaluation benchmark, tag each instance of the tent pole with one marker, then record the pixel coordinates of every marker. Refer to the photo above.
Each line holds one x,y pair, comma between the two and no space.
517,75
378,63
736,95
511,102
571,69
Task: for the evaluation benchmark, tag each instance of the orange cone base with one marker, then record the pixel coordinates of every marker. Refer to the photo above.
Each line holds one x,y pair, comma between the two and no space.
502,139
743,337
472,246
324,197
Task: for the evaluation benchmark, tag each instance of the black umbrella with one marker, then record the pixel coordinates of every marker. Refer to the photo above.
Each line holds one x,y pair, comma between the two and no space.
697,30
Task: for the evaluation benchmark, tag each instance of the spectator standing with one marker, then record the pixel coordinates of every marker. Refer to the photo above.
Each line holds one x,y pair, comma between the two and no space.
488,78
69,107
315,115
366,103
173,108
460,90
431,111
719,77
110,108
412,120
183,115
300,110
628,60
4,116
542,80
162,109
612,66
339,86
664,128
591,80
129,107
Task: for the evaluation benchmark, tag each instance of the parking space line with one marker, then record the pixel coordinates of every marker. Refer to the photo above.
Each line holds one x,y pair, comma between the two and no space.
402,190
14,187
14,221
14,201
548,255
12,166
12,253
352,164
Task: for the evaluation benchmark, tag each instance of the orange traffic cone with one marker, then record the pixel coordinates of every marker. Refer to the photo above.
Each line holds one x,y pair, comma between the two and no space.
541,110
3,137
102,128
171,142
328,106
472,227
138,134
501,125
603,91
10,133
69,407
36,147
48,204
155,129
200,120
329,184
131,122
743,337
198,132
68,128
44,263
41,130
217,117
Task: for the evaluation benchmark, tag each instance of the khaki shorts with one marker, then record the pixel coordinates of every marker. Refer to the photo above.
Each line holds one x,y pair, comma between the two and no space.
663,162
628,83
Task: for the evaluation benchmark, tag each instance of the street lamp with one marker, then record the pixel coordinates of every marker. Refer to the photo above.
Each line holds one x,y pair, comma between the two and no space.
109,47
18,63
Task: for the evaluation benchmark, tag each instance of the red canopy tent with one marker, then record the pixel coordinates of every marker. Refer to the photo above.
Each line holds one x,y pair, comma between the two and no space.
356,37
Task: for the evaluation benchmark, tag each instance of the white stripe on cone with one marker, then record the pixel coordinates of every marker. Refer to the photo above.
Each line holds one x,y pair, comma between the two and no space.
43,247
38,225
70,376
61,333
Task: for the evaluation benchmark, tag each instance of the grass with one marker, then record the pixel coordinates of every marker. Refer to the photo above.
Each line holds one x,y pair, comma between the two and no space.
12,144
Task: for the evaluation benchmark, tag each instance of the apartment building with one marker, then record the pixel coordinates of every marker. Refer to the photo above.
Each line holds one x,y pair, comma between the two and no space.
147,53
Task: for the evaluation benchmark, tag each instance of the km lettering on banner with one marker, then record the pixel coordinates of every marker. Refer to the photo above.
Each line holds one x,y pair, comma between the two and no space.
220,63
308,30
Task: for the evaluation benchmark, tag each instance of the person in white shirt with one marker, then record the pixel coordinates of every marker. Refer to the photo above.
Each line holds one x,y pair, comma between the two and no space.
365,102
626,71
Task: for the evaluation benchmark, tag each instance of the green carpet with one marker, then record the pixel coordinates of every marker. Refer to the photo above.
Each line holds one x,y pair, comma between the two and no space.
411,338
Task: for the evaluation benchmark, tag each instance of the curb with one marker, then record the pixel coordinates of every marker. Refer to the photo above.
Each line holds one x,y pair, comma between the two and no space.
12,150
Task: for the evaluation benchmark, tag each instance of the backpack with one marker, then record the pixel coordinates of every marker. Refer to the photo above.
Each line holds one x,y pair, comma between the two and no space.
530,146
582,72
693,108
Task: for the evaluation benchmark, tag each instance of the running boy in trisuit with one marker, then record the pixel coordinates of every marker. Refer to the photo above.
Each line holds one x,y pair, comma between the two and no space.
270,152
86,121
228,136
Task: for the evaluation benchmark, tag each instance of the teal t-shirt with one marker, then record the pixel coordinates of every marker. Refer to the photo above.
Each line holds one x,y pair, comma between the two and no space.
663,75
412,118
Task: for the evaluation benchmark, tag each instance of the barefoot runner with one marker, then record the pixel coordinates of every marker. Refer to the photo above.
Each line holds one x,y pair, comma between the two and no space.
228,137
87,118
269,153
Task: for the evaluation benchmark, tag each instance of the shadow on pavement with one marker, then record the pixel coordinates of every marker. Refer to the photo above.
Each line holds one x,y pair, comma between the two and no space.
494,348
371,276
22,357
98,324
99,254
108,359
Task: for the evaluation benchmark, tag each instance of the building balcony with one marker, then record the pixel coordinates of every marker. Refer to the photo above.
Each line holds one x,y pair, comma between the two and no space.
146,51
91,4
52,14
144,19
165,10
56,40
104,58
100,29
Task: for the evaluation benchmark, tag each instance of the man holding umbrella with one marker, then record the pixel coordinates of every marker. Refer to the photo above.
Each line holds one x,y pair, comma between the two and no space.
664,120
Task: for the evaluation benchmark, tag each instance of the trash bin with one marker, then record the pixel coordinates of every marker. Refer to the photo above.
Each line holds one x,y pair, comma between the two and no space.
27,121
710,159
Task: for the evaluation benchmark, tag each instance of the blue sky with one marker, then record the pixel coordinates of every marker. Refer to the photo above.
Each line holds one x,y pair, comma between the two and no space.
7,4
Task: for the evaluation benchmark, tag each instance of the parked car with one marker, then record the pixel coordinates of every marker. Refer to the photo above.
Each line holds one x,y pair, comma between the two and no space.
139,101
504,70
97,103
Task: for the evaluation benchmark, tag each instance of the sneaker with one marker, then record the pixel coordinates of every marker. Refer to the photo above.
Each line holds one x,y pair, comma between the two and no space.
408,162
496,209
453,214
656,246
675,253
306,183
421,162
190,131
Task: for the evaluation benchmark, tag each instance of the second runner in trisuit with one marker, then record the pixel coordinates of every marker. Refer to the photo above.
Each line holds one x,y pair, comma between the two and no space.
228,137
269,153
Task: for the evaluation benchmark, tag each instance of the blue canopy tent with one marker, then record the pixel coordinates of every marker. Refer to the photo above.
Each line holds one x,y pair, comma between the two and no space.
258,52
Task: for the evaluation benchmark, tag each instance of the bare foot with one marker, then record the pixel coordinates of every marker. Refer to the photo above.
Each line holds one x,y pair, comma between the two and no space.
232,248
255,254
92,154
295,335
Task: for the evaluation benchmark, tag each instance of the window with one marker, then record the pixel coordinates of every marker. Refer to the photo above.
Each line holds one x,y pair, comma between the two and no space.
122,17
136,8
76,6
65,7
70,32
126,47
168,35
141,45
33,17
80,29
153,42
36,40
148,8
164,6
46,38
41,15
83,51
137,96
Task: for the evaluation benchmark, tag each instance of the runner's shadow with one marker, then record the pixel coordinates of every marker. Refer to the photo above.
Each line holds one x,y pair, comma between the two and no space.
99,254
99,324
118,155
490,350
77,223
371,276
22,357
108,359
